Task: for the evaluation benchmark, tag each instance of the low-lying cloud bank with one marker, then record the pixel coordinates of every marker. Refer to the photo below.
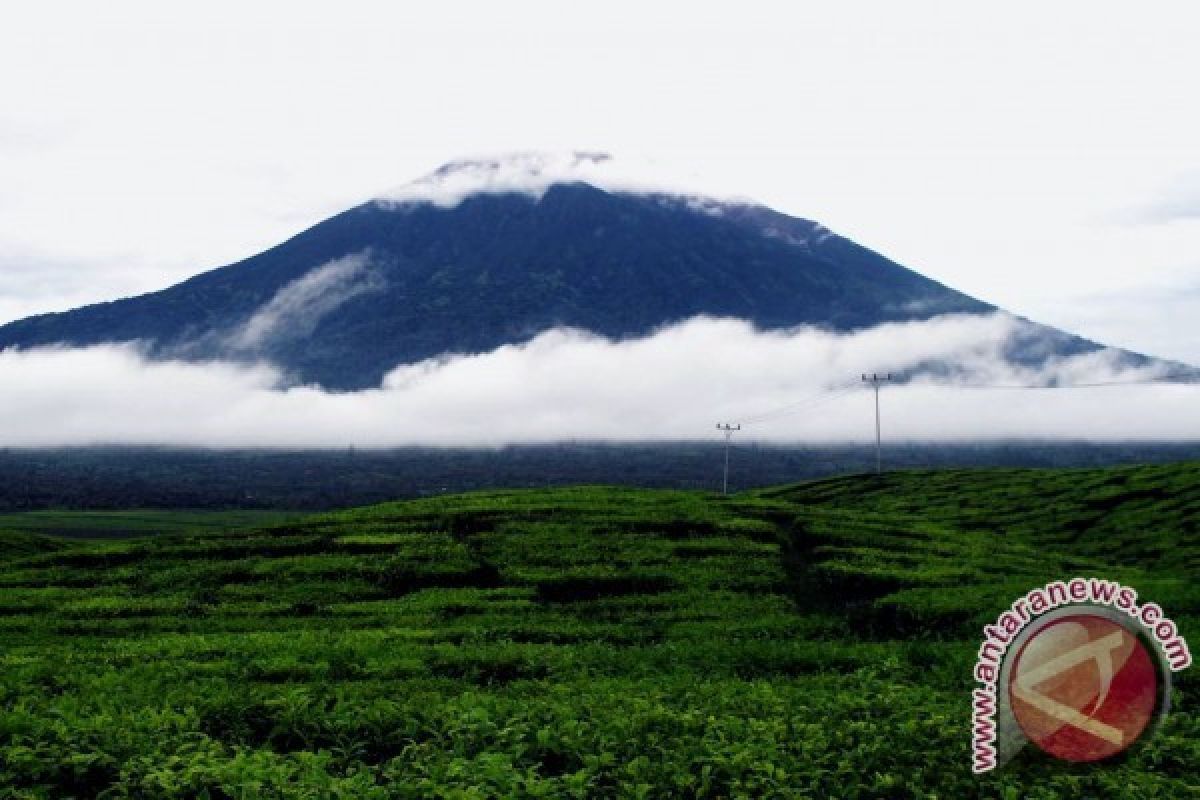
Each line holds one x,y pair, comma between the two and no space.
675,384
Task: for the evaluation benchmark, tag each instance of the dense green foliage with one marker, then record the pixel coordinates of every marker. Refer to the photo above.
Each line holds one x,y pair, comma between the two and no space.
139,522
807,641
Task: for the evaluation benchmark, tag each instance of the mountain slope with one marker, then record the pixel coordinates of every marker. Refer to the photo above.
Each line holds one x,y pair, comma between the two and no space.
399,281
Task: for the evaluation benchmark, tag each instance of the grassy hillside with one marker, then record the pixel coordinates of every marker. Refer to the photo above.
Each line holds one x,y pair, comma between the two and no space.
140,522
938,553
807,641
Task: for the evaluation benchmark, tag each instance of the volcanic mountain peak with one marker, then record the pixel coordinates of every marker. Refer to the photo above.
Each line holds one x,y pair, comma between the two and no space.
490,252
532,173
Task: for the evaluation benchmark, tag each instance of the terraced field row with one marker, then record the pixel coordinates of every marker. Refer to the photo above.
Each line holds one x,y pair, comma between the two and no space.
810,641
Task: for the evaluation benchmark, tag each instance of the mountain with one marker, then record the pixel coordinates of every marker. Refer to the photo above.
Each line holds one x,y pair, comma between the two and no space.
486,253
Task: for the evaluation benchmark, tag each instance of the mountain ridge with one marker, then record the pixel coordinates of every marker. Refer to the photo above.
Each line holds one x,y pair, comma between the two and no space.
401,279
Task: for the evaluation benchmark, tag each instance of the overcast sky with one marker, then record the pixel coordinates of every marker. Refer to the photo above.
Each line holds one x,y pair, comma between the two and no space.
1042,156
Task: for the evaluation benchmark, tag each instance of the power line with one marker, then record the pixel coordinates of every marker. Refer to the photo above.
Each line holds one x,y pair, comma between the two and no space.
875,379
806,402
837,391
728,430
1091,385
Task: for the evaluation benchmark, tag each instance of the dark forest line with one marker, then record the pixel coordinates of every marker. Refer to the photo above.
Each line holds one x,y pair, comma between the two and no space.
121,478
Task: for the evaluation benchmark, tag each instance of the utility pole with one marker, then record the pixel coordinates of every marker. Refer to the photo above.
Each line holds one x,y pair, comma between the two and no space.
876,380
728,430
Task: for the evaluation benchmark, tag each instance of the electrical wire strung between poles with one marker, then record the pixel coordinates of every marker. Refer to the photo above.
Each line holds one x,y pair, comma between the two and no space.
806,403
839,390
1092,385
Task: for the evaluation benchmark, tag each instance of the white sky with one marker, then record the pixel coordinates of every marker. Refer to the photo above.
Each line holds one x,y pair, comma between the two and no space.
1041,156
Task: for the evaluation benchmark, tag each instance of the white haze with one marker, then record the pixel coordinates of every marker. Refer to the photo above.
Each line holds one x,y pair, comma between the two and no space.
565,384
296,309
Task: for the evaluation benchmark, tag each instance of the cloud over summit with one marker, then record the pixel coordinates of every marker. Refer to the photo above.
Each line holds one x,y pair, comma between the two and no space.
533,172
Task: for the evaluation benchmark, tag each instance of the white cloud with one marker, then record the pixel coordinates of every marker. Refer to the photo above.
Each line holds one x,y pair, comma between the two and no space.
532,173
563,384
297,308
1178,200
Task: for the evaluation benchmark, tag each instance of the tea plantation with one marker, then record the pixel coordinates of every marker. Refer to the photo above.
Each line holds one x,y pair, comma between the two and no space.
807,641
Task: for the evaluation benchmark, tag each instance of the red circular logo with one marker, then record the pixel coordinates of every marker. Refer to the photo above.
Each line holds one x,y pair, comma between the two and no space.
1083,688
